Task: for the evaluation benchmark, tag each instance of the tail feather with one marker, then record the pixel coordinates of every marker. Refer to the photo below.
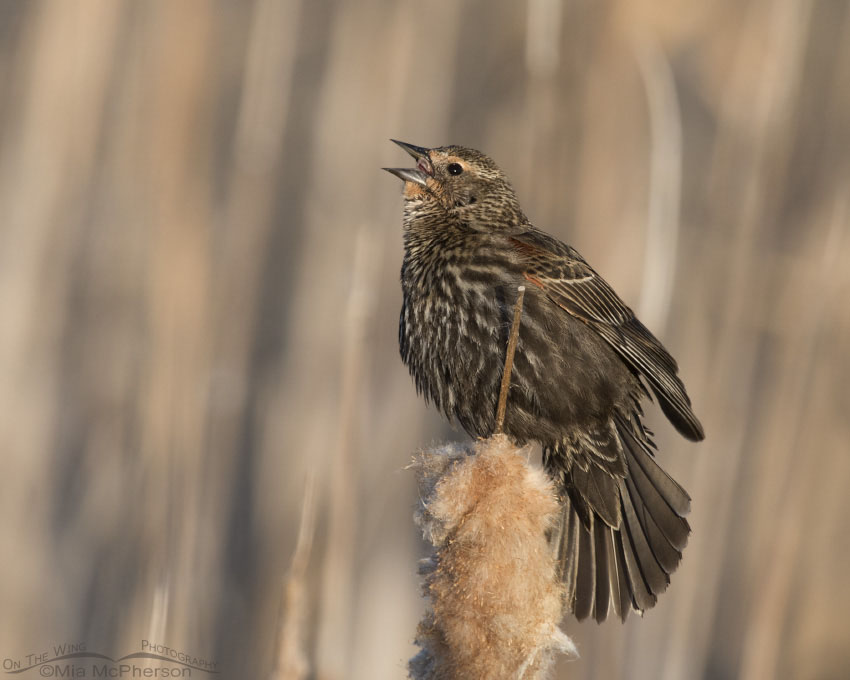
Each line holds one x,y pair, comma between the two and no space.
590,569
665,487
597,487
586,573
565,538
621,592
665,554
654,576
625,564
603,583
665,506
642,598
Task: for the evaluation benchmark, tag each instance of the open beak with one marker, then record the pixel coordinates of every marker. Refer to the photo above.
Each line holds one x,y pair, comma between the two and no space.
416,151
423,169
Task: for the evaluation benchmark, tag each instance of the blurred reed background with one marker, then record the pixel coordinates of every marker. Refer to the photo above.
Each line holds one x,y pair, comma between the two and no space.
198,301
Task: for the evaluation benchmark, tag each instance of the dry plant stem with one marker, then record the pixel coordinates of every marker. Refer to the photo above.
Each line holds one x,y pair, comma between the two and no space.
509,362
291,663
665,184
334,624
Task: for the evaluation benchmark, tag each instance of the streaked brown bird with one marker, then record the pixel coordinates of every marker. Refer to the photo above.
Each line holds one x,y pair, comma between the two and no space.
583,366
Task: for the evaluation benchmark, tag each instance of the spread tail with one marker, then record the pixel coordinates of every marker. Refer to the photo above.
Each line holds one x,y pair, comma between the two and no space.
619,542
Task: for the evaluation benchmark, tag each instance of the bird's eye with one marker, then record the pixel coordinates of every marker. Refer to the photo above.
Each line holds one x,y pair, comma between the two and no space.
455,168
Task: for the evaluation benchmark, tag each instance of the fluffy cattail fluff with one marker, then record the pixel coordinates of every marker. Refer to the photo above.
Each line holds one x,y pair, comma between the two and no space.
492,583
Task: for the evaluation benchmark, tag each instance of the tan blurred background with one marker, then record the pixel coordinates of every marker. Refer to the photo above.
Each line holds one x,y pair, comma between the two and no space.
199,293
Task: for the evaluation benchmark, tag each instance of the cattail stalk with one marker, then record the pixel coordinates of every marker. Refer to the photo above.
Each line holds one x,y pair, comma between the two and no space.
509,362
291,662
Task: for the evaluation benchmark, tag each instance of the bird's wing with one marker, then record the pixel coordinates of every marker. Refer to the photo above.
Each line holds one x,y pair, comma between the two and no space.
573,285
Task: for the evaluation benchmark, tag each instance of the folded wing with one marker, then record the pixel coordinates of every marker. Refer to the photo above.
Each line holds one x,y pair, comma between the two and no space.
574,286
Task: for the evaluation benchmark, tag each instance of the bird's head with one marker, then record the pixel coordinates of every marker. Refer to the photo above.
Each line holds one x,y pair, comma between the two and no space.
463,183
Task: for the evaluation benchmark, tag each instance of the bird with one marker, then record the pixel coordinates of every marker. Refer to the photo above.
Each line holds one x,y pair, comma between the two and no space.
584,365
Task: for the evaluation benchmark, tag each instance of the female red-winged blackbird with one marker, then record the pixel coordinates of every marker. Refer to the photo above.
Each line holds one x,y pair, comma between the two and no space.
582,367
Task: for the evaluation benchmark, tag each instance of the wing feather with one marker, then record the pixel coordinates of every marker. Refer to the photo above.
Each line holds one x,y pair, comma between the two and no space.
574,286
